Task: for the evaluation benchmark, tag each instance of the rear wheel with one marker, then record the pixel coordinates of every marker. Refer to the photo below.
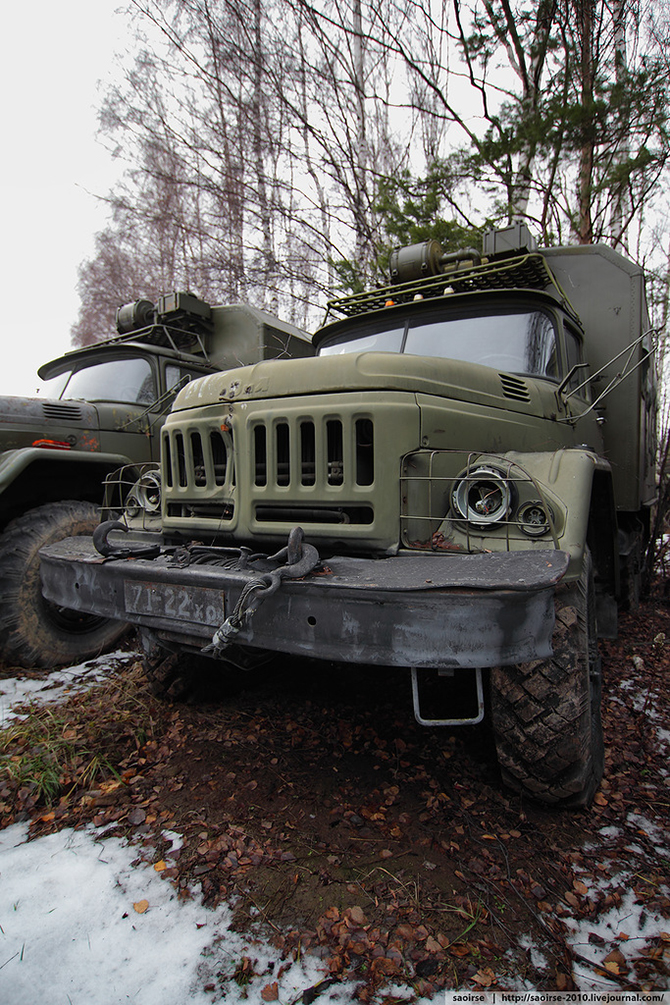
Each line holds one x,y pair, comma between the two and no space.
34,632
546,714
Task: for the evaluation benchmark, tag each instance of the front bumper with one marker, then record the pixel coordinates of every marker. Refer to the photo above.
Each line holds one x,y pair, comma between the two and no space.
417,610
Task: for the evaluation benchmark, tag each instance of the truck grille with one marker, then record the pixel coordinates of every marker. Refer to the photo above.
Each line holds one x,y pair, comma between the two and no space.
313,455
326,462
333,456
198,472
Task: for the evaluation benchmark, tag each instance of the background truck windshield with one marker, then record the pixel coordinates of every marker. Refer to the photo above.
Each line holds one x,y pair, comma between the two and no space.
521,341
129,380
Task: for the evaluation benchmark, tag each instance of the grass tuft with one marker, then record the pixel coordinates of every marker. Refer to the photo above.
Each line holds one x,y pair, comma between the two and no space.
58,750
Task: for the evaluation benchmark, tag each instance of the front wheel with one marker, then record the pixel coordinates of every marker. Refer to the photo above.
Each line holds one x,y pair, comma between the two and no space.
546,714
34,632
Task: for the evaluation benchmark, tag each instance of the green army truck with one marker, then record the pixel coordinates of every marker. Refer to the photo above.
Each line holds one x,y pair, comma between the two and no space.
101,407
459,483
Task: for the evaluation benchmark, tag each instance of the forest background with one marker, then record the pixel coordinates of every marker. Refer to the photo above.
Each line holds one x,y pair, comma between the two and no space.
276,150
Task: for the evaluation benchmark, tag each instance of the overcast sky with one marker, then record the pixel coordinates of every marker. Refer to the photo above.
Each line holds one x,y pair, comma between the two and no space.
51,170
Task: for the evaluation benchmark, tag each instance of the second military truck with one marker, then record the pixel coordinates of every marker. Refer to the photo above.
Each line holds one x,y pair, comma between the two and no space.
459,483
100,407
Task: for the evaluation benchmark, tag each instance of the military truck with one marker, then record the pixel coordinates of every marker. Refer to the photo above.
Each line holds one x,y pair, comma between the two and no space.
459,483
100,407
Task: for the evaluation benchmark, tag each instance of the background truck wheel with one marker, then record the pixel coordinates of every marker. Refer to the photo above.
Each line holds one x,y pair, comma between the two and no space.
546,714
33,631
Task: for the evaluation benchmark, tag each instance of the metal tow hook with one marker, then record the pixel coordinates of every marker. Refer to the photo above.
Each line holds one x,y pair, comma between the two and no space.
300,557
107,550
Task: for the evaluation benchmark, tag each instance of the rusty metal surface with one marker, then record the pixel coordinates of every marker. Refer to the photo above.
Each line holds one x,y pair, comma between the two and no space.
399,617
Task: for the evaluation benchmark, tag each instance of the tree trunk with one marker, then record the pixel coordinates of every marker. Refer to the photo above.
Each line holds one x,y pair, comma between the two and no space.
585,11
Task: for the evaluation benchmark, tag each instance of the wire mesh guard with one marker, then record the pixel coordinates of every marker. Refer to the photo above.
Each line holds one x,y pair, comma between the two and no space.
132,494
452,501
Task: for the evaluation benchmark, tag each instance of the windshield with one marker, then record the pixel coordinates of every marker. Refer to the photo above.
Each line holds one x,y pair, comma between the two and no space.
130,381
521,341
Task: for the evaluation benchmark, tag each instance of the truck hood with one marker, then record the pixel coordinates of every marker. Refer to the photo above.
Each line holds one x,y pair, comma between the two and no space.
372,371
24,420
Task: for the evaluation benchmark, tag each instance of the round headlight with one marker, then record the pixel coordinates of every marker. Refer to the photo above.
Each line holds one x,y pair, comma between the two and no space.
534,518
145,495
482,496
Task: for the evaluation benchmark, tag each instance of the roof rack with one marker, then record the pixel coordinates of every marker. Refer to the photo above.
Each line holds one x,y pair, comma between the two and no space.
525,272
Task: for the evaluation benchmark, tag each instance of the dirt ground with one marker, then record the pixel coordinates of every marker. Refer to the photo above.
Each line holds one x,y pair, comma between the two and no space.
312,801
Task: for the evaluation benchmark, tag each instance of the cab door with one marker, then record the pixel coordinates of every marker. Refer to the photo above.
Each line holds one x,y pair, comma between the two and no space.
124,391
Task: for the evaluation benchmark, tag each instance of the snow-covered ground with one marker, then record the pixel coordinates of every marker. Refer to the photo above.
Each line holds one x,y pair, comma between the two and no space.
83,921
86,918
15,692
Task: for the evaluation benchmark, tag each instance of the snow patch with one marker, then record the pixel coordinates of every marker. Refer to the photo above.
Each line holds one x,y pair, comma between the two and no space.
69,910
59,684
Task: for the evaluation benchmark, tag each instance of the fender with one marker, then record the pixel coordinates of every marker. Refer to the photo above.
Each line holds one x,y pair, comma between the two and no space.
34,473
581,481
574,483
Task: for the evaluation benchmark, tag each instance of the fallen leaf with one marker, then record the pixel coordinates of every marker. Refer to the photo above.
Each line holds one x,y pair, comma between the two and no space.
460,950
618,959
111,785
484,977
141,906
270,992
580,887
159,866
599,799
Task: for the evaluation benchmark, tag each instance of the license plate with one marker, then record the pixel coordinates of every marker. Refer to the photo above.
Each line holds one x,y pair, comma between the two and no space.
198,605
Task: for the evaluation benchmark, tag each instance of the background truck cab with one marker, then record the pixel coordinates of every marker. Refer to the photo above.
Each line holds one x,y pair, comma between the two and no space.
100,407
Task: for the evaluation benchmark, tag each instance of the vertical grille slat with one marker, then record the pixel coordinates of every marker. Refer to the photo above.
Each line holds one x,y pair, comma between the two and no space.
181,460
307,453
365,452
335,452
219,457
260,456
282,454
167,461
199,471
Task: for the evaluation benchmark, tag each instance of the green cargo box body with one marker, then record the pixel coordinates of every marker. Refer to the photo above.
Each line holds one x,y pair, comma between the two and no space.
607,291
